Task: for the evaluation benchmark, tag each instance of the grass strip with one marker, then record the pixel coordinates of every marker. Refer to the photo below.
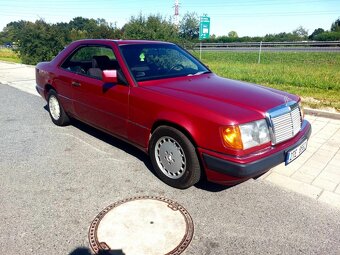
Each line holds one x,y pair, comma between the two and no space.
315,76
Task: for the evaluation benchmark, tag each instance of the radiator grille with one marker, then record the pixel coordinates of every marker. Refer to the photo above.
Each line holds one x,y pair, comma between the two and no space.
285,122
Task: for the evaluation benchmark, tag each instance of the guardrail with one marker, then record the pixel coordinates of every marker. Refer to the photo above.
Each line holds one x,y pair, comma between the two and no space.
331,46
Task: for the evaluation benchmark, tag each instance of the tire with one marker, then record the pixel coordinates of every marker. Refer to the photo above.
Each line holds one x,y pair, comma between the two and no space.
174,158
57,113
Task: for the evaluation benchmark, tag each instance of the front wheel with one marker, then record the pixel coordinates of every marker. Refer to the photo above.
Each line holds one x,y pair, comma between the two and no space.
57,113
174,158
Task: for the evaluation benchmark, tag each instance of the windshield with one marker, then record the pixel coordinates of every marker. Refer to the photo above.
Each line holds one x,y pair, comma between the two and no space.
159,61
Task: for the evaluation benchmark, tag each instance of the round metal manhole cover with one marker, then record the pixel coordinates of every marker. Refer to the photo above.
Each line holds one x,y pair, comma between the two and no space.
142,225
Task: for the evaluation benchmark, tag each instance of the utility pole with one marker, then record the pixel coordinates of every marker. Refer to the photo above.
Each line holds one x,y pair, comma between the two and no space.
176,16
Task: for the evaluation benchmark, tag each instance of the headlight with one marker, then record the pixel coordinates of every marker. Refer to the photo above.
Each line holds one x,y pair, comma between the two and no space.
246,136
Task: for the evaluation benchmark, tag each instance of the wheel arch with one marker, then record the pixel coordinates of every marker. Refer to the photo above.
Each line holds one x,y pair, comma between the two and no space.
48,87
175,125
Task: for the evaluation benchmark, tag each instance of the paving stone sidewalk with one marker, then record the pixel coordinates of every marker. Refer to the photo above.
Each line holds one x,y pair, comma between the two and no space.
316,173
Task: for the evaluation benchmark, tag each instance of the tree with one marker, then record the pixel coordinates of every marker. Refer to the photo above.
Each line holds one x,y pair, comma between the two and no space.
153,27
315,33
189,26
282,37
39,41
12,31
232,34
301,32
81,24
336,26
328,36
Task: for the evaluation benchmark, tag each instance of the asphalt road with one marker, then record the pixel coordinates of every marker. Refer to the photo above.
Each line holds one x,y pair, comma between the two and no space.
54,181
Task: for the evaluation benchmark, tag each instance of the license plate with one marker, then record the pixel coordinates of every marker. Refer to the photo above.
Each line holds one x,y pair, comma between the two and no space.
296,152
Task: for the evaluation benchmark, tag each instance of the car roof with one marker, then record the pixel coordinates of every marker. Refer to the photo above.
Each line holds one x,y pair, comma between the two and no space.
122,42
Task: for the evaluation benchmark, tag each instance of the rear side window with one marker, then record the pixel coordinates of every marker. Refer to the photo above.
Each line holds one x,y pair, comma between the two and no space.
91,61
87,53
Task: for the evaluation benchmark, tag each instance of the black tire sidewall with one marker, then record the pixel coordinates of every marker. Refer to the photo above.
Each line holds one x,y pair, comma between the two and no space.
192,172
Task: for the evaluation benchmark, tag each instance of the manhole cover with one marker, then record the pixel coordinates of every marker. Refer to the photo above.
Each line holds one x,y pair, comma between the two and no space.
142,225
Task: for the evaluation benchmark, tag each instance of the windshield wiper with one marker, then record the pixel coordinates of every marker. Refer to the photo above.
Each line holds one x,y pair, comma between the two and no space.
199,73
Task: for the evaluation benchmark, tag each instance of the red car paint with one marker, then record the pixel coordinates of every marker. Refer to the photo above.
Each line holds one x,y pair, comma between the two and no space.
197,105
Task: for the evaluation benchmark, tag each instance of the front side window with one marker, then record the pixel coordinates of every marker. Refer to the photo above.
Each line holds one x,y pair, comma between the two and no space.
91,61
159,61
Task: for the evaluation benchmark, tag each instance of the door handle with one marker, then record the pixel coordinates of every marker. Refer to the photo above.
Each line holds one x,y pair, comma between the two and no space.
76,84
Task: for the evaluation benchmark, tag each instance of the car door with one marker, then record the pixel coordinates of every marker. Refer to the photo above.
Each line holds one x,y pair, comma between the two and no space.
102,105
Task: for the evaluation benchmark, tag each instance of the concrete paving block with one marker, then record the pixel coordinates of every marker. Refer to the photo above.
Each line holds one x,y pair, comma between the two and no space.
301,176
337,190
313,147
322,119
327,148
317,126
310,117
287,170
335,161
313,142
333,121
317,139
330,198
315,131
321,135
324,155
326,132
313,166
334,142
324,184
332,169
294,185
333,177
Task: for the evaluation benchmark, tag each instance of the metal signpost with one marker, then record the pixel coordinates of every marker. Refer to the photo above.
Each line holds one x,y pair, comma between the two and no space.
204,30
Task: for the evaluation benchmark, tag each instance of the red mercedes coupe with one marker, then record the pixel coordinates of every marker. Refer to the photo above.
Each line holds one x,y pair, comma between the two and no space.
159,98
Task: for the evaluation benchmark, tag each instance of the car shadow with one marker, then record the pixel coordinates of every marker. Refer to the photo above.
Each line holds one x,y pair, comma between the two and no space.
113,141
203,184
133,151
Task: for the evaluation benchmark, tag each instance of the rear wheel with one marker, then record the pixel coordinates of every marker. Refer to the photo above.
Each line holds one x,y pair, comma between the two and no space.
174,158
57,113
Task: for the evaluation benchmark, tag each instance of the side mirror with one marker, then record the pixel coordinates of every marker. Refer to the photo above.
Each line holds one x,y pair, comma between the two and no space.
110,76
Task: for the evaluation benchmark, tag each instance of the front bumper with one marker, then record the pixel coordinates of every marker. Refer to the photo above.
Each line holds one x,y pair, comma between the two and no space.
225,171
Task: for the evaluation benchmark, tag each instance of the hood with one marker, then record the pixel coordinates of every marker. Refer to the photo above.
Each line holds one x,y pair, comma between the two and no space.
214,92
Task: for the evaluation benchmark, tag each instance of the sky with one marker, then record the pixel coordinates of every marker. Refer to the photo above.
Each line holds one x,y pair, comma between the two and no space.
246,17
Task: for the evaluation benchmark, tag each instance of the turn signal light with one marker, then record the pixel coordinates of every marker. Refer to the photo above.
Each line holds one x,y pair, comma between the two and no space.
231,137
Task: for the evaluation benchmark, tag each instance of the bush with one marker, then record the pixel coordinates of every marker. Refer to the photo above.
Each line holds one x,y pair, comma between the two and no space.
328,36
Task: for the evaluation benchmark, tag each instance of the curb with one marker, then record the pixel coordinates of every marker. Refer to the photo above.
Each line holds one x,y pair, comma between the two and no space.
321,113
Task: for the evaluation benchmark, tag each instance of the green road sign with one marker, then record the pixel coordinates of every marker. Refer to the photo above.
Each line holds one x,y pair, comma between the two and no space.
204,27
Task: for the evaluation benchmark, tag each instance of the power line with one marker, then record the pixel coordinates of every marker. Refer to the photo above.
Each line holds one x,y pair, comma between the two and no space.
240,14
270,14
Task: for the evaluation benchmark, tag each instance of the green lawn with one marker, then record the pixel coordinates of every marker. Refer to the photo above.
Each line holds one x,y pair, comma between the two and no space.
313,76
9,55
